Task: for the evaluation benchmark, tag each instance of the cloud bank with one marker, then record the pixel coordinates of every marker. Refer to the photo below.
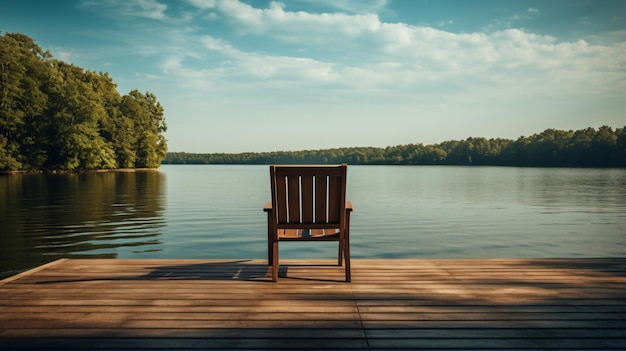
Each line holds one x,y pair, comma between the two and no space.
240,59
384,55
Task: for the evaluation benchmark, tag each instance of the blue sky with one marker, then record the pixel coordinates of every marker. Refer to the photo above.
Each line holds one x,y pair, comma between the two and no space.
238,75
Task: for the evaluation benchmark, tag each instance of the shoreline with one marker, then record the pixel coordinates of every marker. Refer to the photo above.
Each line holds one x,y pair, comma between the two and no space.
63,171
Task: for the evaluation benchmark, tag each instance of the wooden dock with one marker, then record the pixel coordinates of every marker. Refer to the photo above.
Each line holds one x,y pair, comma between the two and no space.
154,304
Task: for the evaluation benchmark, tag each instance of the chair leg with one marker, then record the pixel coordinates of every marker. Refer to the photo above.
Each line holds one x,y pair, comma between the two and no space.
270,238
346,246
340,254
346,252
275,266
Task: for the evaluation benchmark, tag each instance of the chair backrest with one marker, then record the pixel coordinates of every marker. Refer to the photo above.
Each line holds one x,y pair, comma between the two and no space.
307,196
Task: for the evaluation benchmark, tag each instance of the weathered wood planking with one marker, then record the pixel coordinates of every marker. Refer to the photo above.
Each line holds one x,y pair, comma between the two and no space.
390,304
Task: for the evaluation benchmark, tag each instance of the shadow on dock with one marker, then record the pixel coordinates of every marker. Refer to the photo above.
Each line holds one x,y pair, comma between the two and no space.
244,270
391,304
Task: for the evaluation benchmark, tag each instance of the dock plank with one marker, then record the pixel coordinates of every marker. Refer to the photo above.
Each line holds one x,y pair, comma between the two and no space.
183,304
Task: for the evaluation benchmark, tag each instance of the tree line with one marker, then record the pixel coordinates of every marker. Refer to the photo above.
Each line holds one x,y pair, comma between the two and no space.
590,147
57,116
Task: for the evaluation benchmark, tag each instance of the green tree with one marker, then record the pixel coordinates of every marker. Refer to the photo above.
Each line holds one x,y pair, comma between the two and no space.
144,143
54,115
76,116
22,72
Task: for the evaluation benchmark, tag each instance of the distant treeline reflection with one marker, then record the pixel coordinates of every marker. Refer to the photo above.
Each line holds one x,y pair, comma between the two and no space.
590,147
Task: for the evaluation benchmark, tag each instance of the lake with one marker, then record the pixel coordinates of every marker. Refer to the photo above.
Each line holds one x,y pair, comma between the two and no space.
215,211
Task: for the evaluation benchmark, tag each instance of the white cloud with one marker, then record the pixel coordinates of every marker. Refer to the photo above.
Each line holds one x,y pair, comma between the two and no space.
532,10
424,54
64,56
236,65
275,18
149,8
219,45
352,6
203,4
445,23
138,8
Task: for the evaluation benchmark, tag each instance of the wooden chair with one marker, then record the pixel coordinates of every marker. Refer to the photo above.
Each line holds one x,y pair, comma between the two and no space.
308,204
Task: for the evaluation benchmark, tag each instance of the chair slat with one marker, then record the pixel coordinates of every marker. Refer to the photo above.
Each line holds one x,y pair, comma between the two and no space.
293,196
281,199
320,199
334,200
307,199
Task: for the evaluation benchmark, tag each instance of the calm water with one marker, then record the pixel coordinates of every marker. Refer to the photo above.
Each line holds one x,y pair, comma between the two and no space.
401,211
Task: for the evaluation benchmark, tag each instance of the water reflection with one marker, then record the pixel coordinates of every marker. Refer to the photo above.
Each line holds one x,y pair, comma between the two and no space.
45,217
481,212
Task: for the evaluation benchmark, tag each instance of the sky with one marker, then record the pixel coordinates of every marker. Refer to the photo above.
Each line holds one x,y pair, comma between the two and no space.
255,76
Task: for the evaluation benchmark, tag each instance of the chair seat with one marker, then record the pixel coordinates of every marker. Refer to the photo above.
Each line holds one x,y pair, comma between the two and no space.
310,234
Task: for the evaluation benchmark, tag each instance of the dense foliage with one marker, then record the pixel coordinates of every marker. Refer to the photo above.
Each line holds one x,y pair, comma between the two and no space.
56,116
589,147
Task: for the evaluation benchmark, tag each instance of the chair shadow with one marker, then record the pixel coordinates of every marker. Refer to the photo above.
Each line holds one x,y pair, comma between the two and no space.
231,270
243,270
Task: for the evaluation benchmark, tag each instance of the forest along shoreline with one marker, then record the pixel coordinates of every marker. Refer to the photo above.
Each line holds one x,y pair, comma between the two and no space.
604,147
65,171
